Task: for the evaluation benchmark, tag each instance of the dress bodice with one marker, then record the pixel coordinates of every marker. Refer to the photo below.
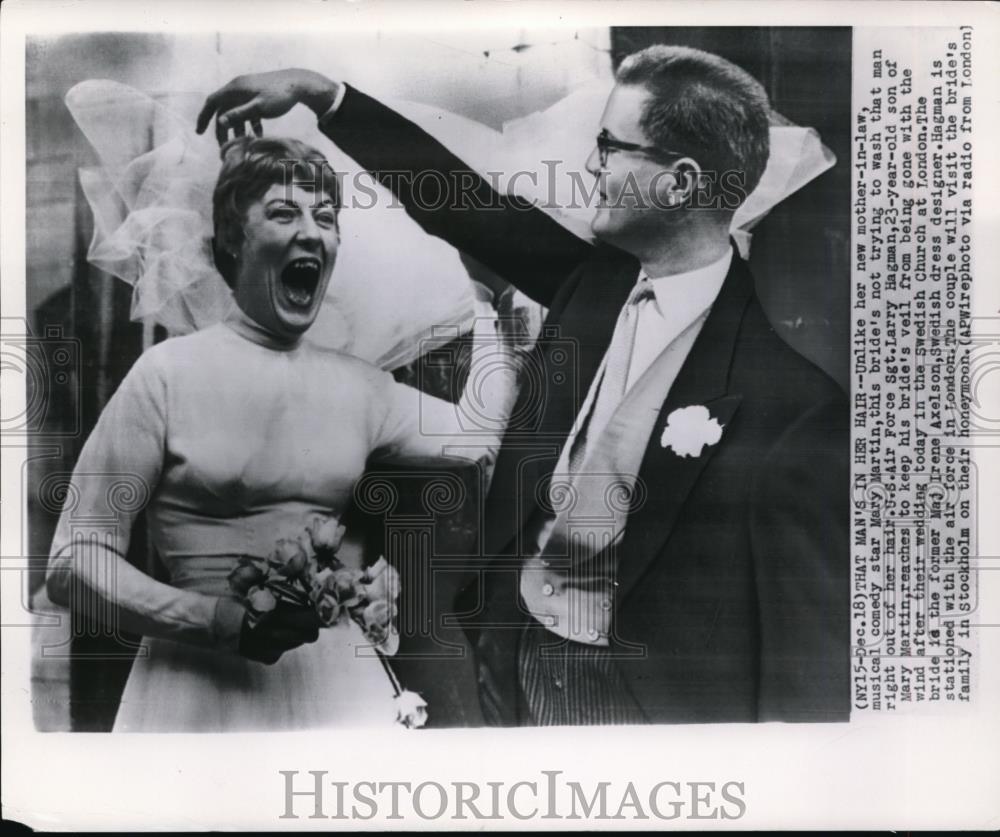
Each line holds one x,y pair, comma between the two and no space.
231,440
258,437
257,440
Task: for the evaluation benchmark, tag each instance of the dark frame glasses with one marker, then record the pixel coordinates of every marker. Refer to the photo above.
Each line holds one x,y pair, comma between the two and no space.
606,144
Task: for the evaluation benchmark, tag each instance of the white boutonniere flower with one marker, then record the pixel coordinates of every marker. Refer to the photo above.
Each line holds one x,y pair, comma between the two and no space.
689,429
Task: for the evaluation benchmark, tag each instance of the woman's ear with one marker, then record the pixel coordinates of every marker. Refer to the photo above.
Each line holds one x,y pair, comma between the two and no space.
225,258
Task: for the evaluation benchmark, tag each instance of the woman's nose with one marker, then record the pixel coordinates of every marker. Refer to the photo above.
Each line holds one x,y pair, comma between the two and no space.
308,230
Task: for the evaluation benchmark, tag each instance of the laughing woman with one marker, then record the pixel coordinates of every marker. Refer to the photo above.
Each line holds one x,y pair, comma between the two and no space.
235,436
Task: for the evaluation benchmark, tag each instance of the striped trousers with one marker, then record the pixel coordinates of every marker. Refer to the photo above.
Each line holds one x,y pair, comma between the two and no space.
569,683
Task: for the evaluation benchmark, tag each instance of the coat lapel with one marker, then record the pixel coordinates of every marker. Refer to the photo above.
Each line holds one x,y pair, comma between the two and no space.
566,358
584,331
703,380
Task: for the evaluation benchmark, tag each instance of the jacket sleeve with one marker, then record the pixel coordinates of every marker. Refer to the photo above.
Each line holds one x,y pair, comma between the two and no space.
801,550
451,201
115,477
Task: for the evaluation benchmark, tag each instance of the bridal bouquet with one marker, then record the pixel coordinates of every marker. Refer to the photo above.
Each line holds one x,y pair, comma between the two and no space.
305,571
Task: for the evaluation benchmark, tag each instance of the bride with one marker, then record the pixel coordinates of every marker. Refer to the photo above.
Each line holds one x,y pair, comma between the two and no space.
235,436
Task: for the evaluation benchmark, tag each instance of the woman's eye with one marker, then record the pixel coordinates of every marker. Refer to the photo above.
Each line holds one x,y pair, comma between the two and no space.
283,214
325,219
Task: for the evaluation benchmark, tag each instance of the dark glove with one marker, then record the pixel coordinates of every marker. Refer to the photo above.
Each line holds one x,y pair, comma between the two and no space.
284,628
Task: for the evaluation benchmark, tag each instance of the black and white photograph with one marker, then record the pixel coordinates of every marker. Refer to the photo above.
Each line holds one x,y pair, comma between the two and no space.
568,384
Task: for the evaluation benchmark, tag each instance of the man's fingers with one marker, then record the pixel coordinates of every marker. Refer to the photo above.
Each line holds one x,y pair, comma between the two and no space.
243,113
207,111
221,129
219,100
258,129
235,117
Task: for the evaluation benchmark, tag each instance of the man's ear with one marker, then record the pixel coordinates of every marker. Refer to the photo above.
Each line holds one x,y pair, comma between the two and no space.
679,184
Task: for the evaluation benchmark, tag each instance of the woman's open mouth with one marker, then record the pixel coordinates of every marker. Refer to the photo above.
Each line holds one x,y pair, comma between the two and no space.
300,278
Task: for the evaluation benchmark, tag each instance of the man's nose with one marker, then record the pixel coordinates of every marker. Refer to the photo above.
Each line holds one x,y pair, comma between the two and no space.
593,164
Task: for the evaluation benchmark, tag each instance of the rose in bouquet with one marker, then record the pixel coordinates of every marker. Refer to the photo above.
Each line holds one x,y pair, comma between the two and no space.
306,571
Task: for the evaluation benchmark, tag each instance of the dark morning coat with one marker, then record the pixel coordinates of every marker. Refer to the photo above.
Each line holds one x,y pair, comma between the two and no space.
732,596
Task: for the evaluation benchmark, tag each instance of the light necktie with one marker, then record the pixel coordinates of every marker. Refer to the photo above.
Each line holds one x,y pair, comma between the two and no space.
611,388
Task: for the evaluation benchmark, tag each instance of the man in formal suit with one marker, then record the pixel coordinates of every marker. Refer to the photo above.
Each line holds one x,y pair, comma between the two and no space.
665,537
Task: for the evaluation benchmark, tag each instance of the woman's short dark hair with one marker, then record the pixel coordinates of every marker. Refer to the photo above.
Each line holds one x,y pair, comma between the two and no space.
705,106
251,166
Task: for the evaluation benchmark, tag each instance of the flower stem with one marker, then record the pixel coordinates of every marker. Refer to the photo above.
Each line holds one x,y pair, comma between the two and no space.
382,658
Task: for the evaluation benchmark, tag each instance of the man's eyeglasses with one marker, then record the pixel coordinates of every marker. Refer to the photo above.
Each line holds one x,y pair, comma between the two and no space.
606,144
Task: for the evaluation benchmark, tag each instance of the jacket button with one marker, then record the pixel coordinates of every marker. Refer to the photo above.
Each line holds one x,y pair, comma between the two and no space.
548,589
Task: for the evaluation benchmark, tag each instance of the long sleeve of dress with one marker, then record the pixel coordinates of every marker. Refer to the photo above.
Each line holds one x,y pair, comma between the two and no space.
115,477
411,423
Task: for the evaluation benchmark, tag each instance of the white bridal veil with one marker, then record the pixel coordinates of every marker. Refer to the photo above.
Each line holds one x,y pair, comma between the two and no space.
393,287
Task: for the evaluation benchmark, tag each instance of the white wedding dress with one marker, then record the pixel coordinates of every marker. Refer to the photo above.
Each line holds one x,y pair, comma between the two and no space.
235,441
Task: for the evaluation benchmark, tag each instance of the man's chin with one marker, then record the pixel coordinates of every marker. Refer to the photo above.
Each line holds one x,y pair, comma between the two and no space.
598,223
602,228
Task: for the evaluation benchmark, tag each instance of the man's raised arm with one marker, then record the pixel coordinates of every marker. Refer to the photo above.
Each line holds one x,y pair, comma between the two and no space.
519,242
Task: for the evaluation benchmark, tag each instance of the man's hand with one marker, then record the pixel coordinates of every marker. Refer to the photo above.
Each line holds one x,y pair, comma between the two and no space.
284,628
257,96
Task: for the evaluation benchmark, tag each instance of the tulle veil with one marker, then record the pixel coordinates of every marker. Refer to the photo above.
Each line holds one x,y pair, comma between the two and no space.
395,291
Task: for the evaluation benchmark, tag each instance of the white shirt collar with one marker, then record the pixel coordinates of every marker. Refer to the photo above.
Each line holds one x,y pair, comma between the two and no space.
681,297
681,300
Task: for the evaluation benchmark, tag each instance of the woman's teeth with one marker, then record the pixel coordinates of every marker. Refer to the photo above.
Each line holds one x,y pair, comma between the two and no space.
300,296
300,279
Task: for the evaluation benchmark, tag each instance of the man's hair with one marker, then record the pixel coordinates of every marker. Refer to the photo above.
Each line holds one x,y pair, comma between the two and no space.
704,106
251,166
